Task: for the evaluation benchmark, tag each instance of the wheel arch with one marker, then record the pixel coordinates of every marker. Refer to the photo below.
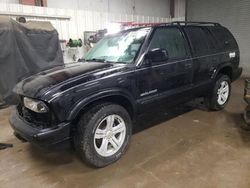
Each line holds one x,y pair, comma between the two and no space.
117,97
226,70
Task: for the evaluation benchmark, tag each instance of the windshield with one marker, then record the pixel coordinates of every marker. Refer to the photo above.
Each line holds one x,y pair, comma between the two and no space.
119,48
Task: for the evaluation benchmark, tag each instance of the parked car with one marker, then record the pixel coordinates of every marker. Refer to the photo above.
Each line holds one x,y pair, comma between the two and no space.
93,103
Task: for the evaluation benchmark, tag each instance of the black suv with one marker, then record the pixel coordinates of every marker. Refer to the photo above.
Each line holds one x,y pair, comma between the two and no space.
93,102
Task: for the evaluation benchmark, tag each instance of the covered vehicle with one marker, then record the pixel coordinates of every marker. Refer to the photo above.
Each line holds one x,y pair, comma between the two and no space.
26,49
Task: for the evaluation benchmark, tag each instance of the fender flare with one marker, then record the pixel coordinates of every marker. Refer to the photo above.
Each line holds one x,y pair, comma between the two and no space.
98,96
219,68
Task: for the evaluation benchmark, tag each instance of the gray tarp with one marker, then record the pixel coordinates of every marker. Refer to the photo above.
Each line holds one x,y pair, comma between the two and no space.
25,49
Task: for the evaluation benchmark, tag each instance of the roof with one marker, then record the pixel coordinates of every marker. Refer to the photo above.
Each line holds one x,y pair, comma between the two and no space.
177,23
184,23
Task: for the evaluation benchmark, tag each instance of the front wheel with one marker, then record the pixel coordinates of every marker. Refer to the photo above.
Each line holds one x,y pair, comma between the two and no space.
220,95
103,134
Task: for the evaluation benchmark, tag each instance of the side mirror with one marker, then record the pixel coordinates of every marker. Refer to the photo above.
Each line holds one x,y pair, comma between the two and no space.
157,55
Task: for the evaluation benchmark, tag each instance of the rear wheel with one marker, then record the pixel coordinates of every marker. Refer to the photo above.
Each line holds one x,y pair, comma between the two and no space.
103,134
220,95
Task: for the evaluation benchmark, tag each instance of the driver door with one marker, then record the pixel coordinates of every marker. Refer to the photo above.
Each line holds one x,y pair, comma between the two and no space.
169,79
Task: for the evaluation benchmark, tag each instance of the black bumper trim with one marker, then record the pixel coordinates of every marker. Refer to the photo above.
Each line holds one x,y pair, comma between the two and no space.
236,73
46,138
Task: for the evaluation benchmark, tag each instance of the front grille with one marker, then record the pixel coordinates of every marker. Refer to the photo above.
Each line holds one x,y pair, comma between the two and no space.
37,120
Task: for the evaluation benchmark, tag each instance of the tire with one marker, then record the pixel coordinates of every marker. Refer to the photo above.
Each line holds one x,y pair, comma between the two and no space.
216,101
93,141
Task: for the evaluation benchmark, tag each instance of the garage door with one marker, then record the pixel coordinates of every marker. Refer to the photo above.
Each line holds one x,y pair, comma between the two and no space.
235,15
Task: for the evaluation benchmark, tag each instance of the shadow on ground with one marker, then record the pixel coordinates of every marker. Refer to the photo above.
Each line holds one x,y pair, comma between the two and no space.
162,114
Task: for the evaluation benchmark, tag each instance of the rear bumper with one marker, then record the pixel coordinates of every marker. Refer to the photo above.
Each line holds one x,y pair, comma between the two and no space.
54,138
236,73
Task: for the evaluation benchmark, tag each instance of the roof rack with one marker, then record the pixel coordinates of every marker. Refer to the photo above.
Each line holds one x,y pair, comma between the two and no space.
181,23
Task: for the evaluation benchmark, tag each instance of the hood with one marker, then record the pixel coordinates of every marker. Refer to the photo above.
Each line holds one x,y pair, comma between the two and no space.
38,84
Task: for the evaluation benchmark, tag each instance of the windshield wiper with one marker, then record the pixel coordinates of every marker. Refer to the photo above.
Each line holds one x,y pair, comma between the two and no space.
96,60
103,60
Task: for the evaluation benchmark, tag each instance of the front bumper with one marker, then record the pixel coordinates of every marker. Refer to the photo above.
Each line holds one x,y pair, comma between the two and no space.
54,138
236,73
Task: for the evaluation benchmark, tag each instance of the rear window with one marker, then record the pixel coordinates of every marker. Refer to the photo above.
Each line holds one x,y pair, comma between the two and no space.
224,38
201,41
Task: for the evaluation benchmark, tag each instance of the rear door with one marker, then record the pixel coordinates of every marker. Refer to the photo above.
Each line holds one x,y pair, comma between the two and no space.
163,80
204,51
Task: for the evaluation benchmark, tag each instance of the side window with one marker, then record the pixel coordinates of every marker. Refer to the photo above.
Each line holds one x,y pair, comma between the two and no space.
170,39
225,38
200,40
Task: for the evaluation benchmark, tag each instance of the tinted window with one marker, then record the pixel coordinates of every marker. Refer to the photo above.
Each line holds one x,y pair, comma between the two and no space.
201,40
225,38
170,39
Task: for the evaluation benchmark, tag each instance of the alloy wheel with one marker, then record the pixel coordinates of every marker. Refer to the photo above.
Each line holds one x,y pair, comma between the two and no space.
109,135
223,93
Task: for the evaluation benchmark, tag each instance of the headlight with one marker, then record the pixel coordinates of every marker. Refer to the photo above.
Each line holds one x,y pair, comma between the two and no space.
35,105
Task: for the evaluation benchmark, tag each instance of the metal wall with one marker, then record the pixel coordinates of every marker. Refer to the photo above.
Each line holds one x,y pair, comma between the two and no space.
9,1
141,7
180,8
158,8
235,15
72,23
